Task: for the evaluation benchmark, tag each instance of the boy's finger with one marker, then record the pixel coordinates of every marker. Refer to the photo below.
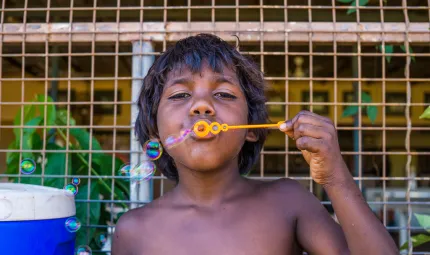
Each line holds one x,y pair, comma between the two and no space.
307,115
304,117
309,144
304,129
287,128
307,119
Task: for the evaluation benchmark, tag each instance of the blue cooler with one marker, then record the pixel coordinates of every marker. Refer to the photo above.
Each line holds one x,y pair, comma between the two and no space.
32,220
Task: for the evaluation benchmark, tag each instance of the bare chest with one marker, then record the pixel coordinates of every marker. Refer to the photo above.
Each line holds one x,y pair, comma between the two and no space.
248,230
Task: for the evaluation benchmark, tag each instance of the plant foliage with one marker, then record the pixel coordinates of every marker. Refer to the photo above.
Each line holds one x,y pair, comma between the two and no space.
58,162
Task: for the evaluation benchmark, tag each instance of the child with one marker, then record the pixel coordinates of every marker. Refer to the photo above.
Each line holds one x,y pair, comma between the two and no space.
213,209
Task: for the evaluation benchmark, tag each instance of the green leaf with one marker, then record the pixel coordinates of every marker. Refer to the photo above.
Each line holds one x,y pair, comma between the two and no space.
426,113
344,1
410,51
388,50
50,109
351,10
365,98
37,141
121,186
27,137
108,163
79,168
350,111
56,165
11,156
424,221
363,2
84,235
372,113
29,113
33,122
12,160
62,116
83,138
416,241
353,7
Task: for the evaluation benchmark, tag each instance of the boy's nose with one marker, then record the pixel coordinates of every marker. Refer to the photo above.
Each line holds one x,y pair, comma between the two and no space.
202,108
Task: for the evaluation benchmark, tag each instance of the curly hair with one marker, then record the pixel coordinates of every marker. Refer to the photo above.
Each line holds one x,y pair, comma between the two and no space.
190,52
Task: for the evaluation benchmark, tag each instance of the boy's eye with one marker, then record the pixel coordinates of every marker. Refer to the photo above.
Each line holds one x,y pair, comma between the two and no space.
180,96
225,95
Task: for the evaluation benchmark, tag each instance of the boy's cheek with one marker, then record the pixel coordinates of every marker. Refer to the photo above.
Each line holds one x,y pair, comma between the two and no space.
169,117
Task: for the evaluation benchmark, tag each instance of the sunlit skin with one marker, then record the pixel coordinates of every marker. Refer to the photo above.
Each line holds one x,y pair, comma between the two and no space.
188,98
214,210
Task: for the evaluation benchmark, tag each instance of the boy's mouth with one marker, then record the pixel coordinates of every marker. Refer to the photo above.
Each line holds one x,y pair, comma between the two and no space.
201,128
207,137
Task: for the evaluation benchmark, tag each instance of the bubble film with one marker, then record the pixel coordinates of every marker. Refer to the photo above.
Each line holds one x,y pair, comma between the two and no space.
125,171
142,172
172,141
101,240
72,224
27,166
153,149
76,181
83,250
71,188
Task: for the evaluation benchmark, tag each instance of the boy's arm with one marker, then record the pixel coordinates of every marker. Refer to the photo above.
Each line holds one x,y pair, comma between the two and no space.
316,137
316,231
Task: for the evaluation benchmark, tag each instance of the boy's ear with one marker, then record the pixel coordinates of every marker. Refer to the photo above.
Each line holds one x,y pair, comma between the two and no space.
251,136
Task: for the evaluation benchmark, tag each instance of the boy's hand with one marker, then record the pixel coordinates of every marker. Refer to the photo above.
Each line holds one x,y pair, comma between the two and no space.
316,137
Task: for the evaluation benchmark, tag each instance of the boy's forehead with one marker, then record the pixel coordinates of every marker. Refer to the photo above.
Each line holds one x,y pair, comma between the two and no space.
205,70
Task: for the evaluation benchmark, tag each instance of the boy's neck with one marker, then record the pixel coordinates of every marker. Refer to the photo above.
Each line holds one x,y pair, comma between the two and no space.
209,188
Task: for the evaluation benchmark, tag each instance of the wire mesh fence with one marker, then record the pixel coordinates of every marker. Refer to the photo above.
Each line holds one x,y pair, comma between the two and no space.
71,71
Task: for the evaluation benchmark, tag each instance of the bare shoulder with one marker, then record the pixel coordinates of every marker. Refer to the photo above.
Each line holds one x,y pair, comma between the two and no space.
292,196
287,184
286,189
133,225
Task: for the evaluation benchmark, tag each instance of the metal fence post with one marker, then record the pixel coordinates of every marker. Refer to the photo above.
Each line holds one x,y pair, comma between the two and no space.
139,191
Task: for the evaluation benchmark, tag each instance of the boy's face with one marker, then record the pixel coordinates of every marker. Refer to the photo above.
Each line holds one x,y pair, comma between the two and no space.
188,98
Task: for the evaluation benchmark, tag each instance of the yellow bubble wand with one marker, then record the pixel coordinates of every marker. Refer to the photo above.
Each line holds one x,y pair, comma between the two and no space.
202,128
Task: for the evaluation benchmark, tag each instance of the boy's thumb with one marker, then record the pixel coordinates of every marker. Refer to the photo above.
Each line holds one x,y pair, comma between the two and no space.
285,126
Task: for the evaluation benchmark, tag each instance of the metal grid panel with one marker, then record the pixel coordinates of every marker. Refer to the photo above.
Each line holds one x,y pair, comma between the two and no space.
91,57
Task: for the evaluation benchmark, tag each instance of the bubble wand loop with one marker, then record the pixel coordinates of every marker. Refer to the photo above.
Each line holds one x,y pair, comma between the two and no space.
202,128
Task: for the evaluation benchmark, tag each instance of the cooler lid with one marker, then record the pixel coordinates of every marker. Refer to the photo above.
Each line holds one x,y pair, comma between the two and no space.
33,202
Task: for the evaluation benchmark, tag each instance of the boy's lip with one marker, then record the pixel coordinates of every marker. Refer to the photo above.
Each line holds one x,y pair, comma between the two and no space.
207,137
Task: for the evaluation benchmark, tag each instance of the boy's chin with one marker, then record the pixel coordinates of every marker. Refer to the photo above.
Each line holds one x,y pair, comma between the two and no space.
206,156
205,164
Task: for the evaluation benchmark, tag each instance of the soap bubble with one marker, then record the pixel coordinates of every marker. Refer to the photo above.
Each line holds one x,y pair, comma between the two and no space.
27,166
72,224
124,171
172,141
101,240
76,181
153,149
143,171
71,188
83,250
